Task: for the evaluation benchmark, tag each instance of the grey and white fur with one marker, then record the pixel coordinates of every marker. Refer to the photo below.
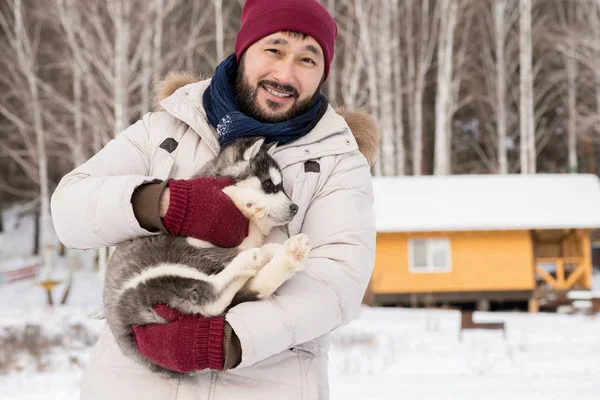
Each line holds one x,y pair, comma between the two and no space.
196,277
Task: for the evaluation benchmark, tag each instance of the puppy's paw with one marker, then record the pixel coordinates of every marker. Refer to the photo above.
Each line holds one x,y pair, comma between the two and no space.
296,250
267,251
248,262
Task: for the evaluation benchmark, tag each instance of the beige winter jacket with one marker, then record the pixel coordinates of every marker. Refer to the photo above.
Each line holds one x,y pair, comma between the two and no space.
284,339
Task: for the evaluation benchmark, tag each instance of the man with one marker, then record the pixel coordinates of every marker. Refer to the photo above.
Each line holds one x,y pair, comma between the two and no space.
139,185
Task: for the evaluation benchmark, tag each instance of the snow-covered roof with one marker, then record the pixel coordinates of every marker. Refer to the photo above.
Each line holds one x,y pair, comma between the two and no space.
486,202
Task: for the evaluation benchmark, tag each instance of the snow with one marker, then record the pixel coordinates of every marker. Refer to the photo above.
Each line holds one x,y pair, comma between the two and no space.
596,282
385,353
486,202
16,245
418,354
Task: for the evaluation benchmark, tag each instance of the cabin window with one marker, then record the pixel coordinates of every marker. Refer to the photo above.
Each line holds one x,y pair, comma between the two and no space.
429,255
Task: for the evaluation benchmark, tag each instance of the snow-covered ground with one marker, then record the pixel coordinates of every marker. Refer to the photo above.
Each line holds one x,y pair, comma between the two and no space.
385,353
416,354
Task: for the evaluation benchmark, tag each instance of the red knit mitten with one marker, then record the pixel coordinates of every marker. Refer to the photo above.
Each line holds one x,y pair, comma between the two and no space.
199,208
187,343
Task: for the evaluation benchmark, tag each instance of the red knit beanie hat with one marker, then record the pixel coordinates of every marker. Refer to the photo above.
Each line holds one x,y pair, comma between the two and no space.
261,18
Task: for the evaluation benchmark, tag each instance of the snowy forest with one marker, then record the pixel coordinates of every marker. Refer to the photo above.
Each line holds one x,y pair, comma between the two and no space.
457,86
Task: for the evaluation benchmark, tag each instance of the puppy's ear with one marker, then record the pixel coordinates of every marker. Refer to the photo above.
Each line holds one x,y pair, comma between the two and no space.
255,210
194,295
270,147
253,149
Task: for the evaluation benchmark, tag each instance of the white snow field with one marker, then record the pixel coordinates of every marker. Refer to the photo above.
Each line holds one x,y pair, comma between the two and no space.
385,353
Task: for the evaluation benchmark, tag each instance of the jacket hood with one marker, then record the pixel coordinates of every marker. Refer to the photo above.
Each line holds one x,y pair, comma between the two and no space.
363,126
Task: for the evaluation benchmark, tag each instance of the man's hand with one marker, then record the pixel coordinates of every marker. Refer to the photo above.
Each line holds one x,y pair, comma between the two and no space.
198,208
164,202
188,342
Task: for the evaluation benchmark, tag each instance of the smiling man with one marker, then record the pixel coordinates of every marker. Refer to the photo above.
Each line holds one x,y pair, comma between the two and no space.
284,78
140,184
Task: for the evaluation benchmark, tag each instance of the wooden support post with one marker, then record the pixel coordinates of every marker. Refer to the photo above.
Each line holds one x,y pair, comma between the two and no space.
414,303
547,277
534,305
587,260
574,276
560,273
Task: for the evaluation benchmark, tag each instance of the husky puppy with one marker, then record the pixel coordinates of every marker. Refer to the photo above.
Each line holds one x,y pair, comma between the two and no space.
196,277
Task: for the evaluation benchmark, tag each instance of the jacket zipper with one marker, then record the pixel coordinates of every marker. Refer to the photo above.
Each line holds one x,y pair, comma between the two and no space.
213,384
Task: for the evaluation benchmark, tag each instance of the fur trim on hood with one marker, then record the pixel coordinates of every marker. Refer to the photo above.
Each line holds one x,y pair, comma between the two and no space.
363,126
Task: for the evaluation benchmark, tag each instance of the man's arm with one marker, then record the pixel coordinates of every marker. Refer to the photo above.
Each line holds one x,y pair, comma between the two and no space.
340,224
91,207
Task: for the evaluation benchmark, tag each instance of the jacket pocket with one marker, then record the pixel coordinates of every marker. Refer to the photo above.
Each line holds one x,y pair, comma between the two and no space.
313,373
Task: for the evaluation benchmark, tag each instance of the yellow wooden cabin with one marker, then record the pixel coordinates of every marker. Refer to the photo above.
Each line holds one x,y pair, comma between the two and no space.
469,238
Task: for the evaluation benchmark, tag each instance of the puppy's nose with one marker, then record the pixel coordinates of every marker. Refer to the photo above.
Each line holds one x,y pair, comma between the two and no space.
294,209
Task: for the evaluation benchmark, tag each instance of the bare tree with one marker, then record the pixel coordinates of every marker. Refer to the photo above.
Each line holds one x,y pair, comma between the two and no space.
383,29
496,77
578,39
332,80
366,16
353,62
421,37
397,13
24,47
444,95
121,13
528,151
569,15
501,115
219,28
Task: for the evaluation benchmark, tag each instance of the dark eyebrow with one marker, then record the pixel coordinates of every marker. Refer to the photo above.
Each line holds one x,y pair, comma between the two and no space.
280,41
277,41
314,50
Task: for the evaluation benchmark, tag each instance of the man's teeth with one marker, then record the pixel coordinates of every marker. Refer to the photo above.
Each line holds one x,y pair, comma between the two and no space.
274,93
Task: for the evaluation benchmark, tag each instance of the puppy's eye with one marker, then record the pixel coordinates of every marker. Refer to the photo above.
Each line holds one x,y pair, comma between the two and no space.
269,186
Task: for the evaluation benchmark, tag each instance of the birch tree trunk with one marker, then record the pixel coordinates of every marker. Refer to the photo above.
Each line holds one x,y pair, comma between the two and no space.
571,66
384,79
411,73
444,95
570,18
122,14
598,99
190,51
219,30
121,64
332,80
428,27
528,153
364,18
146,71
398,61
158,39
417,149
594,21
27,60
353,62
79,157
68,19
501,115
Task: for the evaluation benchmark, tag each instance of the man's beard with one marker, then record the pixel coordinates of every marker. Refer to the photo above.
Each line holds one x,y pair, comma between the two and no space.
247,101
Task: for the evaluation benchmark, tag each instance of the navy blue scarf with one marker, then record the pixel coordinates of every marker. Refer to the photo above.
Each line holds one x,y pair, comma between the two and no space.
223,113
